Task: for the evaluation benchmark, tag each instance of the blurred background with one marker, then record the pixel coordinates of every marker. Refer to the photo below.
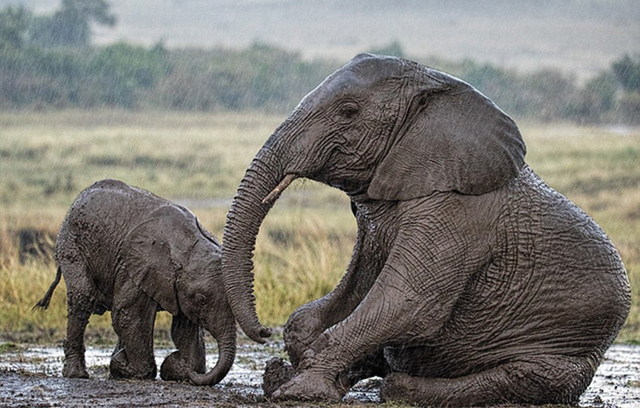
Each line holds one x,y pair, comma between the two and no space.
175,96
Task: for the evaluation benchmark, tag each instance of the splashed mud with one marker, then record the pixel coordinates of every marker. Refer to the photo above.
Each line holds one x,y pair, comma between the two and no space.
32,377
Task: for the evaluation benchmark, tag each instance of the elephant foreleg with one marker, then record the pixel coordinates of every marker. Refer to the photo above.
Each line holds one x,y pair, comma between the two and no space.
324,371
408,302
133,317
190,356
536,380
308,321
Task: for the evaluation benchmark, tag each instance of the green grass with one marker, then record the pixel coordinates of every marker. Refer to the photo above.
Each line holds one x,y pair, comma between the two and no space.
198,159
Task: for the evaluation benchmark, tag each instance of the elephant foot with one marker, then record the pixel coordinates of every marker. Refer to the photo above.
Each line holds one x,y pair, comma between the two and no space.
277,372
400,387
309,386
174,368
118,365
120,368
77,370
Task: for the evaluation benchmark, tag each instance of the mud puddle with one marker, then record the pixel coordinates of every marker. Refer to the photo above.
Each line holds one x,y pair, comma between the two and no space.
31,377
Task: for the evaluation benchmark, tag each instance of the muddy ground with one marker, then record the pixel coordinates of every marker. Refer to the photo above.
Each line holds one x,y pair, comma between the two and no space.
31,377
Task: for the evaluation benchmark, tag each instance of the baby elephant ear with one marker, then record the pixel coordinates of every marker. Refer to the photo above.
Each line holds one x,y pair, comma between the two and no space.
453,139
155,251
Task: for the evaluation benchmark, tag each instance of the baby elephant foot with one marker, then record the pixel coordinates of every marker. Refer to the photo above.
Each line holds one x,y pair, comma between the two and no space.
74,370
119,365
277,372
307,386
120,368
174,368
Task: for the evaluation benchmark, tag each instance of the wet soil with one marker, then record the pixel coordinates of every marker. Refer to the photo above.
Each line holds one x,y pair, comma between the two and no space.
31,377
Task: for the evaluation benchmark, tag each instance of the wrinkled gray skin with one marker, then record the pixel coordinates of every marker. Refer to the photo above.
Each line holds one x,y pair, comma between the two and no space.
126,250
472,282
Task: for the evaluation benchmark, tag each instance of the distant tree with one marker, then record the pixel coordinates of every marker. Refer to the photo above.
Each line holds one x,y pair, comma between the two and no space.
595,100
122,71
14,22
604,87
627,72
71,25
629,108
547,94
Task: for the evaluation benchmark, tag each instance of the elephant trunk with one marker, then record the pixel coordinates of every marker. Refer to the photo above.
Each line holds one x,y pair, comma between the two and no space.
254,198
226,356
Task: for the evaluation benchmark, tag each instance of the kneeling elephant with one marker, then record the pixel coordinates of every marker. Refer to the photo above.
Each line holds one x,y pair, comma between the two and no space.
471,282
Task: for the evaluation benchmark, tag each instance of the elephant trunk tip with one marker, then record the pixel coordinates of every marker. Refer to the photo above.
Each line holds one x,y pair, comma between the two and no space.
217,373
275,193
259,335
206,379
226,356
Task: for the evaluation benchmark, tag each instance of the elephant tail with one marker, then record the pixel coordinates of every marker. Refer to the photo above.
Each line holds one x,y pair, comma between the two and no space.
44,302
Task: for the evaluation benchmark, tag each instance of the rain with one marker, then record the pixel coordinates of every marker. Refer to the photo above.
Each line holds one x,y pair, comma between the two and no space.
176,97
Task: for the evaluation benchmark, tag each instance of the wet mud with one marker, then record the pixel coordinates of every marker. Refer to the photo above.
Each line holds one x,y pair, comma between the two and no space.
31,377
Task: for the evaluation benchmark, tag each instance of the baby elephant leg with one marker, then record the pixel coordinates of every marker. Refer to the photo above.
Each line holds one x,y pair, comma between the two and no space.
77,320
190,356
133,317
537,380
79,308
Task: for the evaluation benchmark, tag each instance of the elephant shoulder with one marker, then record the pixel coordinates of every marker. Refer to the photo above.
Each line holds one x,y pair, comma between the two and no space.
530,194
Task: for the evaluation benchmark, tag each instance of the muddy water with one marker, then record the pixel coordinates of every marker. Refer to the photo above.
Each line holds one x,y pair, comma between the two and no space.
32,377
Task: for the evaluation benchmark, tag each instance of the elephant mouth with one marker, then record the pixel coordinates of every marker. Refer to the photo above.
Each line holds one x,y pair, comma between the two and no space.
275,193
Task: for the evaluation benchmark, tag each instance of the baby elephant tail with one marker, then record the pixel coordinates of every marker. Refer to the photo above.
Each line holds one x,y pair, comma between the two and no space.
44,302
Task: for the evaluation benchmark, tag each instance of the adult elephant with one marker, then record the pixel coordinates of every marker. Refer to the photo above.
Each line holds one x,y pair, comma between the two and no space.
123,249
471,281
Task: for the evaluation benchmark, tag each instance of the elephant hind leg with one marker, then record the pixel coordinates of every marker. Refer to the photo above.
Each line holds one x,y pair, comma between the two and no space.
539,380
74,362
80,304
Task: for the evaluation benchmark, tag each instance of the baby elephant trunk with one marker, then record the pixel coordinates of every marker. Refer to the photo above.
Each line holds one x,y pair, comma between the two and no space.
226,356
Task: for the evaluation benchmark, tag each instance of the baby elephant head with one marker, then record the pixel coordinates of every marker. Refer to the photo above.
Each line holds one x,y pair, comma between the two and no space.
177,262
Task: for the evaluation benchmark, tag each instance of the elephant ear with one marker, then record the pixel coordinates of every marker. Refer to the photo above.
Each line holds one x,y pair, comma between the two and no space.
453,139
155,252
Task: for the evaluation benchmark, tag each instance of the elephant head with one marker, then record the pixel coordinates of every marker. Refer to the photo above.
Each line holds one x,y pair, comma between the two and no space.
177,262
379,128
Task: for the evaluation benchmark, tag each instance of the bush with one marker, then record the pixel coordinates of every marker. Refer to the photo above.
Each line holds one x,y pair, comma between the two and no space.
627,72
122,72
263,77
260,77
629,108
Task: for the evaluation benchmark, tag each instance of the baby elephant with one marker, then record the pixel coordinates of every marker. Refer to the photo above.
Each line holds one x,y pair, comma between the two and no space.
126,250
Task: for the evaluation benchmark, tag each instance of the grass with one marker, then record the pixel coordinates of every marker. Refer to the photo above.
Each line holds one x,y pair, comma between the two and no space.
198,159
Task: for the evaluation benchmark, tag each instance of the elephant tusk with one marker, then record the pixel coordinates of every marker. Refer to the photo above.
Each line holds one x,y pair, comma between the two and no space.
275,193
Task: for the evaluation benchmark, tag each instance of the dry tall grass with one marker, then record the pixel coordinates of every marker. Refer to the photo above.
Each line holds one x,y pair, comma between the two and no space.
197,159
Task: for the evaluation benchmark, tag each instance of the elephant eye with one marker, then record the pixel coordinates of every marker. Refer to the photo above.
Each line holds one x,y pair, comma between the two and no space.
201,299
348,111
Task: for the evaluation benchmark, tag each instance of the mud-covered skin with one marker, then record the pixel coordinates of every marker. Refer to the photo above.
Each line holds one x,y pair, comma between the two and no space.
126,250
25,384
276,373
471,282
